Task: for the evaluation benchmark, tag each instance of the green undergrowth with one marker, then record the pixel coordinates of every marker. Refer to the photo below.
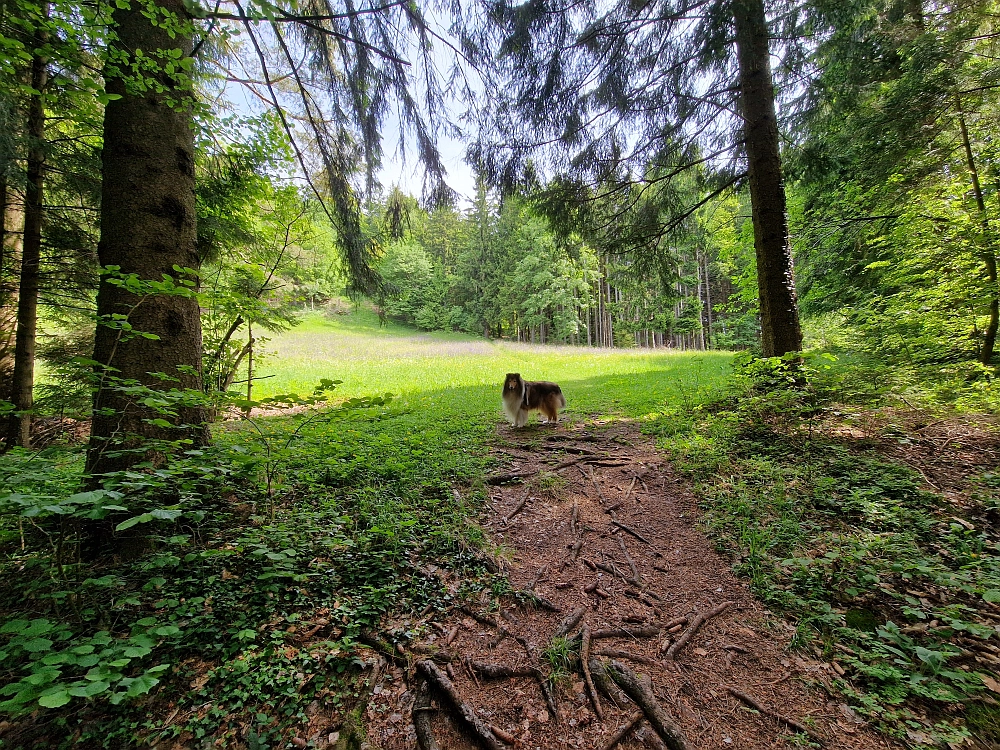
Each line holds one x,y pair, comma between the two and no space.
203,638
234,616
878,575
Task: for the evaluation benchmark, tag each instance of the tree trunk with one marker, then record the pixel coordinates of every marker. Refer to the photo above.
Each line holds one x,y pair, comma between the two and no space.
780,331
708,303
988,252
10,258
147,227
23,379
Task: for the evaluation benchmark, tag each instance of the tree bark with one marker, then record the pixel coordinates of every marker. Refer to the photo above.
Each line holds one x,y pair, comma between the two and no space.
780,330
988,253
147,227
10,258
23,377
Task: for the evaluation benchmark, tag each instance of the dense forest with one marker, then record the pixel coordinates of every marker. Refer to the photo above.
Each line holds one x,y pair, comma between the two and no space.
183,182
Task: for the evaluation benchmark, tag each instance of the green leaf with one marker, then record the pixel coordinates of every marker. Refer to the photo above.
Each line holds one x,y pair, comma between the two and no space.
59,697
142,685
129,523
89,690
37,644
992,596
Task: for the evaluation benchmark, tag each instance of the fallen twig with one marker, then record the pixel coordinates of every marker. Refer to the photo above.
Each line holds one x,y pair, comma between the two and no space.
440,680
631,531
661,721
696,623
790,723
422,720
630,726
612,570
585,668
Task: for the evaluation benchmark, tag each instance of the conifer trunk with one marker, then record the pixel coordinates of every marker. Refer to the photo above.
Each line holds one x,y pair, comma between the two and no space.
780,331
147,227
23,376
10,258
988,253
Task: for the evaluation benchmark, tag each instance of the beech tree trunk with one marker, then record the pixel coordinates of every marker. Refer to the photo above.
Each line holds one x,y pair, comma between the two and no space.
780,331
147,227
23,376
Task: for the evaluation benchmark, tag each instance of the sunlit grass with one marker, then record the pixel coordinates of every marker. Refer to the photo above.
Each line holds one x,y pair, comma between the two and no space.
463,373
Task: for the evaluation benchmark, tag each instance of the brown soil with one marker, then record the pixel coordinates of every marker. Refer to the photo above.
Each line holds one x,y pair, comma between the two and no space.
619,477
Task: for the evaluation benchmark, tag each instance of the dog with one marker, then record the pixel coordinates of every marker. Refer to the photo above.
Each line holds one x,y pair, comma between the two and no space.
522,396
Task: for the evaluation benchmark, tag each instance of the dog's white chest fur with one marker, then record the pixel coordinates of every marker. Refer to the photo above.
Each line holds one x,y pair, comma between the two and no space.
513,407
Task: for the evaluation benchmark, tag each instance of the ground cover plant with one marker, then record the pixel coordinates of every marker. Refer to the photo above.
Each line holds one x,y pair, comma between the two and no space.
876,540
281,547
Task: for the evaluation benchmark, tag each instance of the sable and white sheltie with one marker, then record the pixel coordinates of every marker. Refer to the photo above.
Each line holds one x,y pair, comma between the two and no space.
521,396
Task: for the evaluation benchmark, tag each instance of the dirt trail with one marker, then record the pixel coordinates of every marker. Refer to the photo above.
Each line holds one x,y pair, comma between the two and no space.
643,566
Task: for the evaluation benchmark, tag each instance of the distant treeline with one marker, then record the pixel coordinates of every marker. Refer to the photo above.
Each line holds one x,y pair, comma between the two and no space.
498,269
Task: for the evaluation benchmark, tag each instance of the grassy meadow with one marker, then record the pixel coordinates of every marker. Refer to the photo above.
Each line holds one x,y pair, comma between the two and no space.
456,373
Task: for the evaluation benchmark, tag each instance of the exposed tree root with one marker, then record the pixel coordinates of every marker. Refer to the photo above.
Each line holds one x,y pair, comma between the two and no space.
696,623
628,492
440,681
616,653
780,718
571,621
657,715
421,718
498,671
646,631
630,530
629,561
519,507
585,668
630,726
605,684
515,475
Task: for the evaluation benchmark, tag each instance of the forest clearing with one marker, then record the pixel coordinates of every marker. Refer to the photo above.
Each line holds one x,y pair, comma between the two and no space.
424,527
265,266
